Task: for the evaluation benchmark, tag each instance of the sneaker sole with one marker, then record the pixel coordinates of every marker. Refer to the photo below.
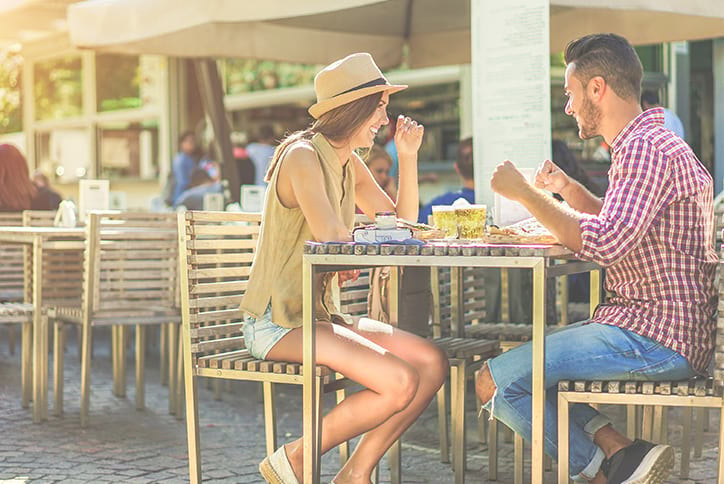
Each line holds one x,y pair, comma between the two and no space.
268,473
654,468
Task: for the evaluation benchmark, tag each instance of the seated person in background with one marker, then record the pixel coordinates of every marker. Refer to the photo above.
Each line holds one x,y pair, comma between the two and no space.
201,184
379,162
649,100
46,196
464,169
564,158
17,190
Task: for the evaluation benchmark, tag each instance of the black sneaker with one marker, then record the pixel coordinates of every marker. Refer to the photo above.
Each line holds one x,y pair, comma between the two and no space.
640,463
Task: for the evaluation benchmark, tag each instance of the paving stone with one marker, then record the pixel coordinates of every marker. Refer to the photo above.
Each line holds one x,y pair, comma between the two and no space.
122,444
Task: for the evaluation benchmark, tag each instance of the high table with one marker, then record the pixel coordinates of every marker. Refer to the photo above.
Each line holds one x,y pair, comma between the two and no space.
39,240
544,261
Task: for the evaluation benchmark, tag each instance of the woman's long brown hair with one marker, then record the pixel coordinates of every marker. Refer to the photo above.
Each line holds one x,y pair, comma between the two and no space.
16,188
336,125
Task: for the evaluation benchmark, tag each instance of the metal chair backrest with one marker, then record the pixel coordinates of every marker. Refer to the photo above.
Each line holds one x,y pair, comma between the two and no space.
131,263
217,250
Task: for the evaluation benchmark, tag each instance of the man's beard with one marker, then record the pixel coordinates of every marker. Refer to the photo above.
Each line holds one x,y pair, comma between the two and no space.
589,119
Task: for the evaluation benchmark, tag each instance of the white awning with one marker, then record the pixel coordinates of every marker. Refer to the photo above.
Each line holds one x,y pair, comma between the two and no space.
319,31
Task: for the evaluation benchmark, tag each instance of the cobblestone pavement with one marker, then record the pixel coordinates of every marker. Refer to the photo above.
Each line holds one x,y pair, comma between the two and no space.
122,444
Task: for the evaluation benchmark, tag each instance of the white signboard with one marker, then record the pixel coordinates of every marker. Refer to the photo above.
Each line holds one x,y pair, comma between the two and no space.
511,87
252,198
214,202
93,195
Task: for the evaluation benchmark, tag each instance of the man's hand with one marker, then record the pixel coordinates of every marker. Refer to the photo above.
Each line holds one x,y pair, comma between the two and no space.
550,177
508,181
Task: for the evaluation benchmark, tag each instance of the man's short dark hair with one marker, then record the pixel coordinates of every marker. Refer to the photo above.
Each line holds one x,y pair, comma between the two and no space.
610,56
650,97
465,158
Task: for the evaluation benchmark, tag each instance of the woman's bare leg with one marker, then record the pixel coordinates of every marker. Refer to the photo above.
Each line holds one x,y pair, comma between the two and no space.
432,367
391,384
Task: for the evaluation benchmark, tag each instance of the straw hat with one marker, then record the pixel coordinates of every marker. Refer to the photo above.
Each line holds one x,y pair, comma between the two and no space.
347,80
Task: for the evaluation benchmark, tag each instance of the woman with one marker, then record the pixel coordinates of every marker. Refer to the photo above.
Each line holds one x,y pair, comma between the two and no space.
379,162
17,190
315,178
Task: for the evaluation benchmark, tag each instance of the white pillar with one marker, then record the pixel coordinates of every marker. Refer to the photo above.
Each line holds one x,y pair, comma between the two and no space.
511,88
718,72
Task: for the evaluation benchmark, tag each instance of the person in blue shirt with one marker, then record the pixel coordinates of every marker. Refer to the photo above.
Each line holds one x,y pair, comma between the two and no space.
260,152
649,100
183,164
464,169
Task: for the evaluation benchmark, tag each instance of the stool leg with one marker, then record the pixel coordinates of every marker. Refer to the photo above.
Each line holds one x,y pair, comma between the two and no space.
699,432
58,362
394,459
140,361
341,394
492,449
686,415
442,413
270,418
163,358
457,378
519,459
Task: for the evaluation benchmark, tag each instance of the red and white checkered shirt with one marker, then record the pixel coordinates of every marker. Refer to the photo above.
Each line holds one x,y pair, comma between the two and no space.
654,235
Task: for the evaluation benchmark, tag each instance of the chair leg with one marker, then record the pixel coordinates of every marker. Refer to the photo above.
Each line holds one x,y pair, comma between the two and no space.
85,374
340,395
631,421
122,336
26,364
394,459
482,423
720,472
11,339
699,432
163,356
217,389
270,417
518,459
114,358
563,439
492,449
687,413
442,413
647,421
171,347
58,363
179,398
140,361
457,382
192,423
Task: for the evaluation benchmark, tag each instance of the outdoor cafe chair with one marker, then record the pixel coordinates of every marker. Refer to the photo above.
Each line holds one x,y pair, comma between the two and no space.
216,252
699,392
11,277
129,278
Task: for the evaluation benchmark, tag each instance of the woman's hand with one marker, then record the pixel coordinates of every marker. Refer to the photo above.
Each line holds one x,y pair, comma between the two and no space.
408,136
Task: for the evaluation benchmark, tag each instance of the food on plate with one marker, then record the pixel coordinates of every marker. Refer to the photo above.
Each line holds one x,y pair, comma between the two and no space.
525,231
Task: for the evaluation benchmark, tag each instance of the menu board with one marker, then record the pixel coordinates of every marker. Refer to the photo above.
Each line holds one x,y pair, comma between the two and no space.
94,195
511,87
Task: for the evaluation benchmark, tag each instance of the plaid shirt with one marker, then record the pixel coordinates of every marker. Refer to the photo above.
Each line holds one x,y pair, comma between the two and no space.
654,235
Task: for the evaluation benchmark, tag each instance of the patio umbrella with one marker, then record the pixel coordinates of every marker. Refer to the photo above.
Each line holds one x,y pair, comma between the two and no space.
422,32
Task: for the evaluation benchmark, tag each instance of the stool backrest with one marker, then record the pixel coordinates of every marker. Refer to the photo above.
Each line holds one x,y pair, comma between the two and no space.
216,252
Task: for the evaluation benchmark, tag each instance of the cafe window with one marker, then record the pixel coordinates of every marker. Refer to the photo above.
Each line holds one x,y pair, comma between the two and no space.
11,68
249,75
63,153
129,150
58,88
126,82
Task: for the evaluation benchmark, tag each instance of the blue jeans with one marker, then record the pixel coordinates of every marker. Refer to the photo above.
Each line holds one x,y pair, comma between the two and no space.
581,351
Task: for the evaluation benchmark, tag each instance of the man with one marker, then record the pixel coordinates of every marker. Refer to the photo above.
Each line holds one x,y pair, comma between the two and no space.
464,169
649,100
183,164
260,152
653,234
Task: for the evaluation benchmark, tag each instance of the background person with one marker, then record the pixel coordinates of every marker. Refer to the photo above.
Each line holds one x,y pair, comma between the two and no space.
183,164
650,99
261,151
317,178
17,190
201,184
49,197
379,161
652,232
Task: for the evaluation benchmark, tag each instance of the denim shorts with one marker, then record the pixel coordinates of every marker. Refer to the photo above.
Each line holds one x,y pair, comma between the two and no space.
260,335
